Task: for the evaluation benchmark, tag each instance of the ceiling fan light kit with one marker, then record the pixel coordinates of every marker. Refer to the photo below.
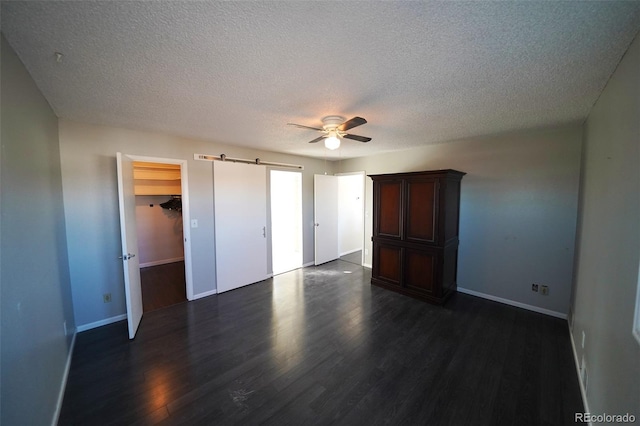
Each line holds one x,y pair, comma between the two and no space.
332,141
335,128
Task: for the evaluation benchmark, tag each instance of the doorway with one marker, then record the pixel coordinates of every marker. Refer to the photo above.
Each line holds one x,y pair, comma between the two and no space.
128,230
159,229
351,217
286,220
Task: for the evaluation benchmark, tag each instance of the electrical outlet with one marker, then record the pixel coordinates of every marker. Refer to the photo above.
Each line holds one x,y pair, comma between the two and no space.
64,324
534,287
106,298
544,290
584,336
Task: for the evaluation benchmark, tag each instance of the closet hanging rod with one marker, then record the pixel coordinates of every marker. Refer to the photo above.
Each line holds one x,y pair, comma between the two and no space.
223,157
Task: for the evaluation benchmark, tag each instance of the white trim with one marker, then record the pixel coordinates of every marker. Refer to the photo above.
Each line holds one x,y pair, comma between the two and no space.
63,384
367,265
100,323
161,262
583,391
308,264
350,251
205,294
514,303
636,319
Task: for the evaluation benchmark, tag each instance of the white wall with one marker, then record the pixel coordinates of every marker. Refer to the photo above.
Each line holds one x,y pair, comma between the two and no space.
609,244
518,209
159,231
35,293
350,205
91,207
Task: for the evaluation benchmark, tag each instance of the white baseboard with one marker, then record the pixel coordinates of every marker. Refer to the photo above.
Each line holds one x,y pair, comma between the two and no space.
161,262
63,384
350,251
205,294
308,264
514,303
100,323
367,265
583,391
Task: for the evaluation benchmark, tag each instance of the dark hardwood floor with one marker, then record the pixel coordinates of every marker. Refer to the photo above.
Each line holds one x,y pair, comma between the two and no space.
322,346
162,286
355,257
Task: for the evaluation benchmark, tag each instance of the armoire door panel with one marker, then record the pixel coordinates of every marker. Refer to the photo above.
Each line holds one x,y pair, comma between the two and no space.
389,262
420,271
422,208
390,213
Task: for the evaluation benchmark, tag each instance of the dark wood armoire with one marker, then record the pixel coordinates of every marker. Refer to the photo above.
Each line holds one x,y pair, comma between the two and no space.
415,233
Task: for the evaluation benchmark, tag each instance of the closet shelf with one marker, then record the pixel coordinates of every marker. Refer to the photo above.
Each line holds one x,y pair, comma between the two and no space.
156,179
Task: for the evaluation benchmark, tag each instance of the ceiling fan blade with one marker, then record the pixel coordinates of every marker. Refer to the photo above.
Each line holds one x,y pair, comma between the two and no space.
350,124
305,127
318,139
357,138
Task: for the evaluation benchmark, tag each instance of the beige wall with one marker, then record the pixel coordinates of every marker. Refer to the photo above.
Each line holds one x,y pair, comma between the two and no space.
518,209
608,248
91,207
159,231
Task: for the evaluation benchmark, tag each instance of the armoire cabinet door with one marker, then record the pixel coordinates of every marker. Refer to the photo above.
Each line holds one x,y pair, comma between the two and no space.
389,214
388,264
422,210
420,271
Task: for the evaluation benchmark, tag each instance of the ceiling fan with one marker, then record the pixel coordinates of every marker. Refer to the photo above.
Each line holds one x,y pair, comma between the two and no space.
335,128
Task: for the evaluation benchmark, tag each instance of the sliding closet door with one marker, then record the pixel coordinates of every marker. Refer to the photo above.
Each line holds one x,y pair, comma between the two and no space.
240,194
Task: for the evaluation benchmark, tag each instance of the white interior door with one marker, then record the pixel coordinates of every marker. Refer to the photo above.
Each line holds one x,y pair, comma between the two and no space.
240,192
131,267
325,196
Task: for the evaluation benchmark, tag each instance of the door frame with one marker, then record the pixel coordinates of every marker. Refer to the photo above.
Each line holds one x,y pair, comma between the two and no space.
186,221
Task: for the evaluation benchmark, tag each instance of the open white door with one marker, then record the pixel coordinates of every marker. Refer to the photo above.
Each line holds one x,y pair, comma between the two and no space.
325,200
240,194
131,267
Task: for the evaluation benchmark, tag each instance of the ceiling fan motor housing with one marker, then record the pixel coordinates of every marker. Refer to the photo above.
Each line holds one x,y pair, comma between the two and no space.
331,122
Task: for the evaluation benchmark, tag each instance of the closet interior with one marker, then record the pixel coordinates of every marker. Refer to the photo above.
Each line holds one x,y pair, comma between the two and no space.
158,191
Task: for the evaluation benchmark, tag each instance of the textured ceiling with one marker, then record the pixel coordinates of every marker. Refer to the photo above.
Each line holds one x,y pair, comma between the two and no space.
237,72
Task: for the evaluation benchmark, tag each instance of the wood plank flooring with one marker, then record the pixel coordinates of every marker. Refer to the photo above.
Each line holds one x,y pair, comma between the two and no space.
163,285
355,257
322,346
